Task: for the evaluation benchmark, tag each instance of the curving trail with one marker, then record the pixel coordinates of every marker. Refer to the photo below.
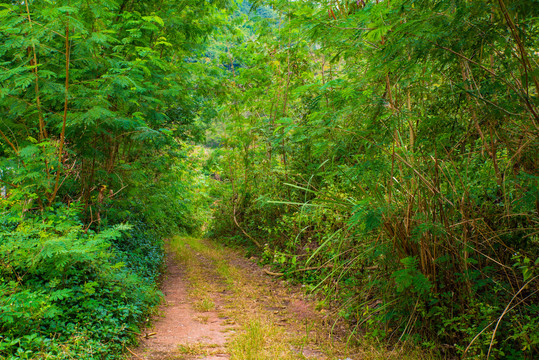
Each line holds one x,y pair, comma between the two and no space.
219,305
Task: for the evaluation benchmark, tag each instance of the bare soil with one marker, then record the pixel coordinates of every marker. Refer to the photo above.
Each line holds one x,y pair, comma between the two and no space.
237,297
180,324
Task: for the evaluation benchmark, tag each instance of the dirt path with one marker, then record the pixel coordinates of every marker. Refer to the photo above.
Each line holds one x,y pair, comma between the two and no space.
219,305
180,328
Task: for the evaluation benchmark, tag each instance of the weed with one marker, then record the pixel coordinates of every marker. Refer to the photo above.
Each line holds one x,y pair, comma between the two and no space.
193,349
203,319
204,305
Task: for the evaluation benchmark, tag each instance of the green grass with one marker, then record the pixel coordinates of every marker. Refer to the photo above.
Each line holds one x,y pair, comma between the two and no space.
204,305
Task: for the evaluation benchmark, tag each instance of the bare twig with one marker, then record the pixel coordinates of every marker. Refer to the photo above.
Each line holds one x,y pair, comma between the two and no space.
62,134
135,355
328,266
505,311
42,129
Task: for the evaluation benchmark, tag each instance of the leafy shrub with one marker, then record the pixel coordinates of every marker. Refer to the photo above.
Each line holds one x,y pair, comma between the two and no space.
63,292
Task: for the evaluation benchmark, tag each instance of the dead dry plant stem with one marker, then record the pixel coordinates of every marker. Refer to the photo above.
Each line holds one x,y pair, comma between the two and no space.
328,266
42,129
523,55
64,121
135,355
505,311
492,323
526,99
256,242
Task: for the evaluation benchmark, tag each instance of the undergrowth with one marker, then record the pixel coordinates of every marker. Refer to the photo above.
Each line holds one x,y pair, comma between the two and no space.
64,293
384,153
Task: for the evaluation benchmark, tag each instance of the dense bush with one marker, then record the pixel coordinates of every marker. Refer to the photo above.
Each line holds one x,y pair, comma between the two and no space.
63,292
96,100
384,152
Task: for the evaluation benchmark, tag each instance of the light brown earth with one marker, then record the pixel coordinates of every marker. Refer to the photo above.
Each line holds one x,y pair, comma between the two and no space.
219,305
180,324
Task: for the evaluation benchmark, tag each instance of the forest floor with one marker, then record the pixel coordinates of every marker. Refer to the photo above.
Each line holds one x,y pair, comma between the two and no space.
220,305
